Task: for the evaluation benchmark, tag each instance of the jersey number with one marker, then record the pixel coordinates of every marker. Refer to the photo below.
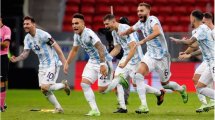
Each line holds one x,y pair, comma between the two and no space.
36,47
166,73
50,76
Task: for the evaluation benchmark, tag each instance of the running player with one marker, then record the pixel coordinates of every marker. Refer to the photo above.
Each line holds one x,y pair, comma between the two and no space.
48,52
99,65
5,36
129,62
194,51
157,56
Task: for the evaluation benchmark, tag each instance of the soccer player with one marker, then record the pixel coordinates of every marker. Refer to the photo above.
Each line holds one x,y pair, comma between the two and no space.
49,53
128,64
157,56
99,66
5,36
194,51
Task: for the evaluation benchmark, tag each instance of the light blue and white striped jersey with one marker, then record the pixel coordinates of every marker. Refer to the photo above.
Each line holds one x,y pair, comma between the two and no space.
46,53
87,40
156,48
206,42
124,42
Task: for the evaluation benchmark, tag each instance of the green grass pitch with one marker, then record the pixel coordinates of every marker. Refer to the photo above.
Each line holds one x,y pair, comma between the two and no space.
19,103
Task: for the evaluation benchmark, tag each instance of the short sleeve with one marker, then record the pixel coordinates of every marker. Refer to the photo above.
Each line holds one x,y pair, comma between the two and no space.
27,43
93,37
75,43
136,26
7,35
46,37
200,34
153,22
114,38
213,34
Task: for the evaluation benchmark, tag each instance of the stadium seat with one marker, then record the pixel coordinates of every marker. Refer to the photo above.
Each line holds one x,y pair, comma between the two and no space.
88,19
102,9
102,2
67,28
131,2
70,10
151,2
188,2
177,28
97,26
175,3
88,2
171,20
166,28
116,2
180,10
154,10
67,19
161,2
133,19
88,10
161,19
121,10
73,2
165,10
98,19
184,20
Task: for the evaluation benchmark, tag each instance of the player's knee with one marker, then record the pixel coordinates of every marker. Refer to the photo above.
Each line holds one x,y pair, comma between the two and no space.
138,76
84,86
164,83
45,87
44,91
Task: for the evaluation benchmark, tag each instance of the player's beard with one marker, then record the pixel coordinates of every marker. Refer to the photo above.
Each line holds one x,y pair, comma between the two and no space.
144,19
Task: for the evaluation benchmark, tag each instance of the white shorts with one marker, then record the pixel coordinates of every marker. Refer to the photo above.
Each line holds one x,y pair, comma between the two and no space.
201,68
128,71
92,73
208,76
162,66
48,75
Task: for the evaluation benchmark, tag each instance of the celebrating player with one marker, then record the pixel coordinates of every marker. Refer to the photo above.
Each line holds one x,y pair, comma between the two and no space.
48,52
157,56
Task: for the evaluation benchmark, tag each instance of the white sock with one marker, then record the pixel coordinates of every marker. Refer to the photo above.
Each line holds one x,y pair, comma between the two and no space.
150,89
141,92
211,85
52,99
173,86
120,95
206,92
56,86
202,98
89,95
113,84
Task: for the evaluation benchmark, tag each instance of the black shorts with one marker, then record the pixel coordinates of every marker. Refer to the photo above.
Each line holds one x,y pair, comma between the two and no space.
4,67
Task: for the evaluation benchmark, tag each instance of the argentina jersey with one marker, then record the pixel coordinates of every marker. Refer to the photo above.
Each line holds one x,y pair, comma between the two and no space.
87,40
156,48
46,53
206,42
124,42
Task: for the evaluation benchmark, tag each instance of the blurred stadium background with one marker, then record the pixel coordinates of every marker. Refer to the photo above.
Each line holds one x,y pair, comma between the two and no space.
55,17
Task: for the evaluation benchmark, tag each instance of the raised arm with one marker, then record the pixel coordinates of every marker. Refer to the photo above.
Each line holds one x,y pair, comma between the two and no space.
22,56
127,32
101,50
133,47
116,50
156,32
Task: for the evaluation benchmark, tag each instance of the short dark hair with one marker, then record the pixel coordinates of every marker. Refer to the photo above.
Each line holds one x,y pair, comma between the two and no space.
146,5
29,18
208,15
78,15
197,14
124,20
108,17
